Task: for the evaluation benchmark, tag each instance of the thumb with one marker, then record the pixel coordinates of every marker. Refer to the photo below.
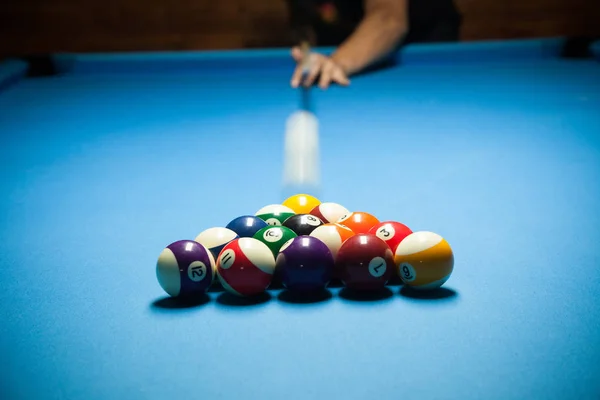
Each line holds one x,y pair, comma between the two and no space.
297,53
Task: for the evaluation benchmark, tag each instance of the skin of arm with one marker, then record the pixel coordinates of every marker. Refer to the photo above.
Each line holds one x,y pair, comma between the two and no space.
384,25
382,28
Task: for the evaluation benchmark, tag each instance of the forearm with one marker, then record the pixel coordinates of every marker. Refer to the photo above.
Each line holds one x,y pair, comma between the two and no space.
375,37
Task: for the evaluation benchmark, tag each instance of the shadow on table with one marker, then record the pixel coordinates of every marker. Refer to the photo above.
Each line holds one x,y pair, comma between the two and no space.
366,296
395,281
443,294
216,288
335,283
231,300
172,303
319,296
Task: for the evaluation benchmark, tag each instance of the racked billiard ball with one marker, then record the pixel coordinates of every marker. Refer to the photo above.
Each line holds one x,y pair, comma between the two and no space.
301,203
246,225
274,214
185,269
275,237
304,264
333,235
245,267
365,262
303,224
391,232
214,239
424,260
329,212
359,221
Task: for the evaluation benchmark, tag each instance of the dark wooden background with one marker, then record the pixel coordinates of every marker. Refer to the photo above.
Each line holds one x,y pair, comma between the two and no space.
30,27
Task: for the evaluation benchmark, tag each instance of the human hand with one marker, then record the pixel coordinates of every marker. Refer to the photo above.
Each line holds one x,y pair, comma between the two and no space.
319,65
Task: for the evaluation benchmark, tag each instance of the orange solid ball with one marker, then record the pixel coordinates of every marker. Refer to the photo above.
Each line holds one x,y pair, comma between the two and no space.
359,221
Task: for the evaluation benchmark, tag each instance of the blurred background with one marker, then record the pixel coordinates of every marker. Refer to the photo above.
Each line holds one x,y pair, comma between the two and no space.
33,27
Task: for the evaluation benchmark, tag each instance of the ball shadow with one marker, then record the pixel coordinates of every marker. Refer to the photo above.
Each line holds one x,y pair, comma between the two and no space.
441,293
335,283
216,288
174,303
231,300
371,295
395,280
291,297
276,284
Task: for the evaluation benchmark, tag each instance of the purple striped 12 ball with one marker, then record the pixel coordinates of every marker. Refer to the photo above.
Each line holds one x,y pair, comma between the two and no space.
185,269
304,264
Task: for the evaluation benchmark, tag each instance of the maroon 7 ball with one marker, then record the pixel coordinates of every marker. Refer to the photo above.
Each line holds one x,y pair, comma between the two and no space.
304,263
365,262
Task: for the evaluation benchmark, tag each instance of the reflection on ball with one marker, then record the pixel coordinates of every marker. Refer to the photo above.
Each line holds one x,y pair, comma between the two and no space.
301,203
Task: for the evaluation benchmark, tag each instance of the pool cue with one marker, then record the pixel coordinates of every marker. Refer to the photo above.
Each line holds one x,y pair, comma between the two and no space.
305,103
301,172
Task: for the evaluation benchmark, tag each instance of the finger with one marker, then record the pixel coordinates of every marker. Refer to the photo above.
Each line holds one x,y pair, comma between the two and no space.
297,76
313,72
326,74
340,77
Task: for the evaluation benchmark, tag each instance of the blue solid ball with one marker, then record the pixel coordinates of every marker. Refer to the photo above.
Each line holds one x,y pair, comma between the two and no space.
246,225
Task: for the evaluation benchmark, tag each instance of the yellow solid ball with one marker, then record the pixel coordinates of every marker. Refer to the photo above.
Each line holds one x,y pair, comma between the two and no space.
424,260
301,203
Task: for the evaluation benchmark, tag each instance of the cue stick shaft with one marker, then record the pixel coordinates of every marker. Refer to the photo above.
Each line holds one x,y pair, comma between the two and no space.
305,101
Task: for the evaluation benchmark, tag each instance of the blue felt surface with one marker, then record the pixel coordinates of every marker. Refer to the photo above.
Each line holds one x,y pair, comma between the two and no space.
595,49
11,71
267,61
100,172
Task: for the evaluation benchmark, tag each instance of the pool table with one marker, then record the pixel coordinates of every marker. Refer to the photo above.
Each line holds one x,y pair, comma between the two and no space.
493,145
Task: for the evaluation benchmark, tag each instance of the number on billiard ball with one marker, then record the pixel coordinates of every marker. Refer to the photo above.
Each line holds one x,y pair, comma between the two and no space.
425,260
275,237
302,224
185,269
392,232
365,262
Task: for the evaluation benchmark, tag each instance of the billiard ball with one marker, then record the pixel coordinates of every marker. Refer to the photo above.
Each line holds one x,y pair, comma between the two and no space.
391,232
304,264
329,212
274,214
303,224
274,237
245,267
214,239
333,235
365,262
424,260
185,269
246,225
301,203
358,221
